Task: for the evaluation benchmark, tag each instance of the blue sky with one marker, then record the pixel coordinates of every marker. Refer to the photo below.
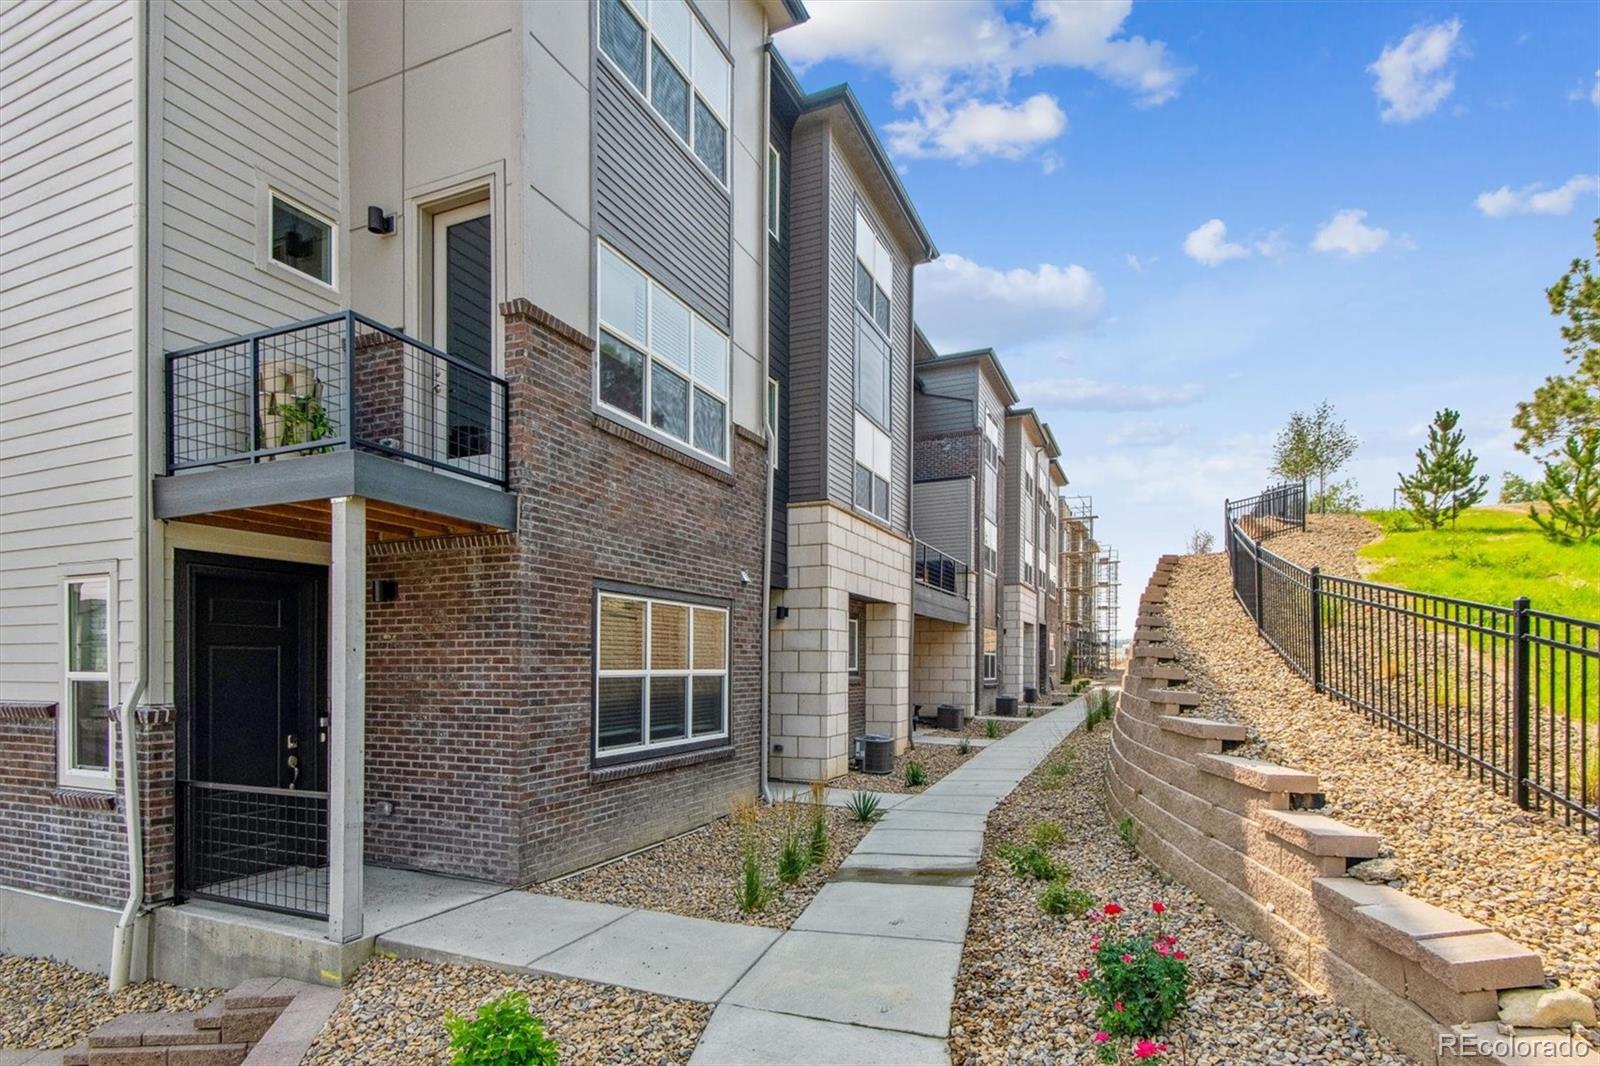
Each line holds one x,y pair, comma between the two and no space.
1179,222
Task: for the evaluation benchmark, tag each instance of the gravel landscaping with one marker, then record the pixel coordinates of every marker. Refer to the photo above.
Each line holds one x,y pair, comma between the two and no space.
1455,843
52,1005
1018,1002
393,1014
936,761
977,728
695,874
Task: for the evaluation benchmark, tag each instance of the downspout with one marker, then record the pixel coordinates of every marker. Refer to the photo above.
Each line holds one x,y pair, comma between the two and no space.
772,440
122,936
911,517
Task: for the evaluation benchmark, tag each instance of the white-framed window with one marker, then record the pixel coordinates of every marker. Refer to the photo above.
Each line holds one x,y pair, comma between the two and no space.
774,193
874,364
991,666
659,363
774,419
86,740
873,469
300,239
661,673
990,558
662,48
855,645
991,495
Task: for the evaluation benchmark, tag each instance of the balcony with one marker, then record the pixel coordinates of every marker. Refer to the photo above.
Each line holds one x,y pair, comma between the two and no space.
942,584
262,430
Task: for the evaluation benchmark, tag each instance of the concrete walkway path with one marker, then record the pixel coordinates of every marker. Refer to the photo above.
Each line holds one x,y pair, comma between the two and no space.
866,974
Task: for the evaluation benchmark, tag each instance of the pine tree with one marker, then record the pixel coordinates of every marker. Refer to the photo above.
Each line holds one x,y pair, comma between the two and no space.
1445,482
1571,491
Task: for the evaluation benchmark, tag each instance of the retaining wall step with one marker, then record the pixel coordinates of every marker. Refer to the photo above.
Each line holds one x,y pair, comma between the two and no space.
1403,926
1343,895
1164,671
1153,651
1320,835
1203,728
1256,774
1173,697
1477,961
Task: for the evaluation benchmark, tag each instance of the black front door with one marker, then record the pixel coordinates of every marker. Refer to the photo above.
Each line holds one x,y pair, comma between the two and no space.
251,640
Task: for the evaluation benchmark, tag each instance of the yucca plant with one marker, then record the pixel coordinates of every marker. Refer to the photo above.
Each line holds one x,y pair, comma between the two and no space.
864,807
915,774
991,729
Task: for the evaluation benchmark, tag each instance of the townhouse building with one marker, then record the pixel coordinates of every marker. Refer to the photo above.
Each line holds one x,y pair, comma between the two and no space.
385,464
1029,512
961,403
843,242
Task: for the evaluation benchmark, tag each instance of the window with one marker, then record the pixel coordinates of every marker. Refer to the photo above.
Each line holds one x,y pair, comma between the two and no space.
661,673
87,739
678,67
871,492
989,559
301,240
874,278
855,645
774,420
656,355
774,188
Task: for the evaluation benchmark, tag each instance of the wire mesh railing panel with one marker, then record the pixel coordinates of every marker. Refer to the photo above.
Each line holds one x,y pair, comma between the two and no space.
258,847
338,381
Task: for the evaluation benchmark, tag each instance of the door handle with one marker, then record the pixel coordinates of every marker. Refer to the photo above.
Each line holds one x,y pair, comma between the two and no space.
292,743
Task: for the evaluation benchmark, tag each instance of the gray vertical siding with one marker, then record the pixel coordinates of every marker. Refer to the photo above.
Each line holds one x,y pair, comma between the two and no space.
784,110
935,413
840,435
655,203
1011,503
809,294
944,516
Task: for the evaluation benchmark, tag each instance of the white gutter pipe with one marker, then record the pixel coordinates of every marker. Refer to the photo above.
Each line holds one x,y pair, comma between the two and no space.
122,937
772,440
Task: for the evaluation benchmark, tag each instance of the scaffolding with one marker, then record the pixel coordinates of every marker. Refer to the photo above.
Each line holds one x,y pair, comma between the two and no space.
1107,602
1088,622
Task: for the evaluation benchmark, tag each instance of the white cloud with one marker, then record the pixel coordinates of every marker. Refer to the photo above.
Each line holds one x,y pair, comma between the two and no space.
953,63
1536,199
1412,78
1146,433
1273,244
1087,393
1208,243
1050,162
974,129
1347,234
1591,93
962,303
1140,265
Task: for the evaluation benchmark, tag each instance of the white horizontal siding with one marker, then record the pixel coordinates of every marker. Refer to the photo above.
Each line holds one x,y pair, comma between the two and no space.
249,95
66,323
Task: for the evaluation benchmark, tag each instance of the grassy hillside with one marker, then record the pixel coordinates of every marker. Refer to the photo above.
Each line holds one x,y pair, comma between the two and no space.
1493,556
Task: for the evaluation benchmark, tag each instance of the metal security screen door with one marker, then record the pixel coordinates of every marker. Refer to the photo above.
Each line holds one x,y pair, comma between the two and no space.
251,667
463,325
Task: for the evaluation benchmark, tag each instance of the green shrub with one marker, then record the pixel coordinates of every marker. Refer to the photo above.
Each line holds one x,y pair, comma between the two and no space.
1059,897
1047,834
965,747
915,774
864,806
1058,771
503,1033
1128,832
794,853
1031,861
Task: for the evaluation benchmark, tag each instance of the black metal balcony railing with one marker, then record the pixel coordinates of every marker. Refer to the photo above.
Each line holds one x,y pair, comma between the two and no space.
336,382
940,571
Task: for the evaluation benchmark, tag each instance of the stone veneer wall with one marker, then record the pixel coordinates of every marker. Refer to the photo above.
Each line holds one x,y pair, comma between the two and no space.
833,555
1246,835
1019,606
942,668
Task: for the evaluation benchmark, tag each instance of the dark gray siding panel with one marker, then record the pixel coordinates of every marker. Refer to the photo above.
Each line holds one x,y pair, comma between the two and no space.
783,114
944,516
841,336
655,203
936,412
808,314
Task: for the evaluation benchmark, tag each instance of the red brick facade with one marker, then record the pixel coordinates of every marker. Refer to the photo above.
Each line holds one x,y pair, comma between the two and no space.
69,842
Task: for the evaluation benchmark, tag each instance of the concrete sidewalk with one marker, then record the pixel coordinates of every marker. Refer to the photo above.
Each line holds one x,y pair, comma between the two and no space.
866,974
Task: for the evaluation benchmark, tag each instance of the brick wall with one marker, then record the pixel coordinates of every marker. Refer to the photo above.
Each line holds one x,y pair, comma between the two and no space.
949,455
70,842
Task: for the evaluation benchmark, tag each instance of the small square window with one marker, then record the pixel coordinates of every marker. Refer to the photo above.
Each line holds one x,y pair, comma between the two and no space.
301,240
710,140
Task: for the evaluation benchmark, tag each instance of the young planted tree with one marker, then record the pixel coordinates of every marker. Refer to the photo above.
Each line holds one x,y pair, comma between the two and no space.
1571,491
1201,541
1567,404
1314,445
1445,482
1514,488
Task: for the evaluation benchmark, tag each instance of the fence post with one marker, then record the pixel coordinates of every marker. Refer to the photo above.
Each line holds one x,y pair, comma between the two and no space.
1316,628
1521,703
1257,553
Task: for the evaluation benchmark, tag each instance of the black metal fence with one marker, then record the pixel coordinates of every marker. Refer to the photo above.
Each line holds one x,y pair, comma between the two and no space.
937,570
335,382
1509,695
258,847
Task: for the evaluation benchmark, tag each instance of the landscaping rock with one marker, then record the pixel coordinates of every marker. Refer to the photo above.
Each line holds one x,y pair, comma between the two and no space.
1546,1008
48,1004
1377,871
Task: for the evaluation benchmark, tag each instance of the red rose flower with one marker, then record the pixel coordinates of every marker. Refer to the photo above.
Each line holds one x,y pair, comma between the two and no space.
1113,909
1159,907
